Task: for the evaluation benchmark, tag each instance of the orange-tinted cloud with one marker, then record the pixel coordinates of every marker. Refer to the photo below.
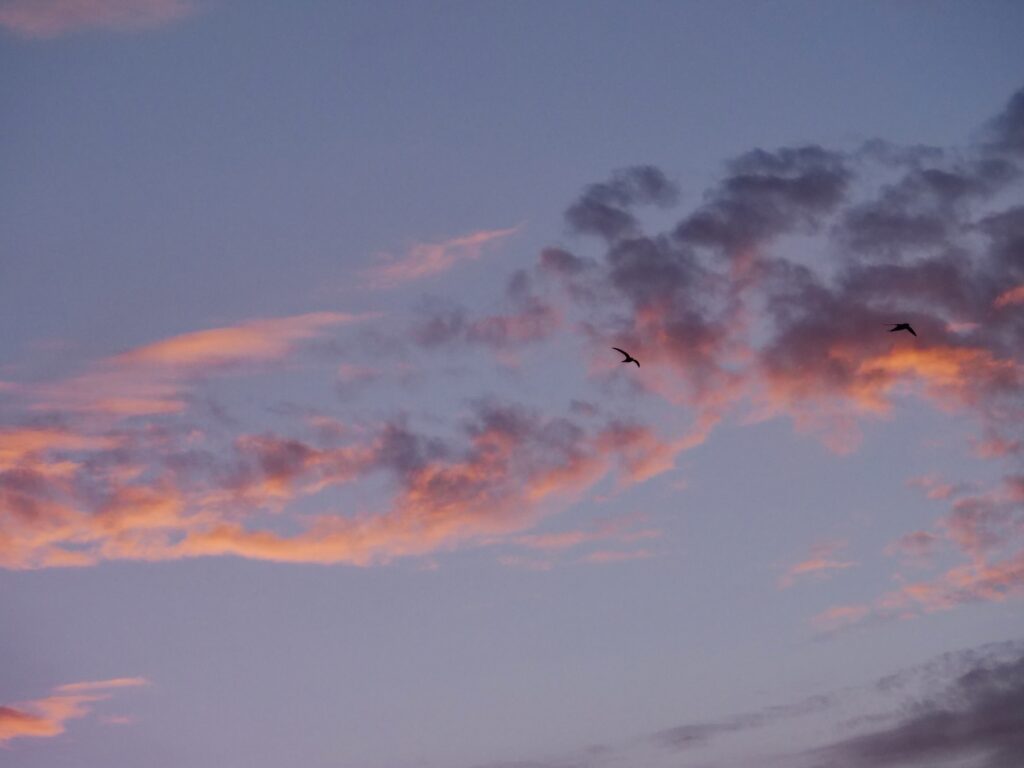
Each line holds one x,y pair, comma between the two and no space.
975,582
622,529
618,529
428,259
936,488
840,616
159,500
152,379
916,546
102,685
1011,296
608,556
820,563
52,18
987,530
46,717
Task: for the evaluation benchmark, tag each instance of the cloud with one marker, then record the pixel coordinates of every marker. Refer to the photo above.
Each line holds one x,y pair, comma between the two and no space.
608,556
604,208
1010,296
986,529
425,260
691,735
530,322
979,716
102,685
916,545
723,323
159,495
621,529
820,563
43,19
767,194
46,717
839,616
936,488
963,704
153,379
770,298
1007,128
729,320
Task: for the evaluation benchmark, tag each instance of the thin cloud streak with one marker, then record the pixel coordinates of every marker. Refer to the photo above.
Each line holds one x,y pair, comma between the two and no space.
153,379
47,717
819,564
424,260
46,19
978,716
985,529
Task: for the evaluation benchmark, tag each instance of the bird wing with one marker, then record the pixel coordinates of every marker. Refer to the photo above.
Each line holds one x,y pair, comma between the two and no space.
912,330
622,351
637,362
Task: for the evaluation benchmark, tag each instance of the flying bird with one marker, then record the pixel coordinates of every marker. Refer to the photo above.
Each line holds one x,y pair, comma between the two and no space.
902,327
629,357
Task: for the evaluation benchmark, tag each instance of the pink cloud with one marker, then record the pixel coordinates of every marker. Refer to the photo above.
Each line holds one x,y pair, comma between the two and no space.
820,563
140,500
618,529
936,488
46,717
428,259
987,530
840,616
1012,296
609,556
52,18
917,545
152,379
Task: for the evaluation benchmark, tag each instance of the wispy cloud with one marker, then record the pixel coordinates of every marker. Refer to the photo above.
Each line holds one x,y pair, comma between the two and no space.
153,379
985,529
1011,296
839,616
622,529
820,563
47,717
964,704
609,556
136,492
978,717
52,18
424,260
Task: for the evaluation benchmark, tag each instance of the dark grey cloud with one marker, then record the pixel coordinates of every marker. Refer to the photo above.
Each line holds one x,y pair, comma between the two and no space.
965,703
690,735
977,719
1005,231
767,194
604,208
923,209
1007,128
905,250
530,318
561,262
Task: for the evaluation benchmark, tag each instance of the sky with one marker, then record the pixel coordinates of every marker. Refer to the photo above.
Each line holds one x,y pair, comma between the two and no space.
314,449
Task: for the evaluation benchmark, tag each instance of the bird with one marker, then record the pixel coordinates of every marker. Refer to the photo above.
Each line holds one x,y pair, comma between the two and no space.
902,327
629,357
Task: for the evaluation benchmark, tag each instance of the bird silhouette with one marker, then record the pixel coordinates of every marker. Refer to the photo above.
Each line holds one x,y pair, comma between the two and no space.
629,357
902,327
